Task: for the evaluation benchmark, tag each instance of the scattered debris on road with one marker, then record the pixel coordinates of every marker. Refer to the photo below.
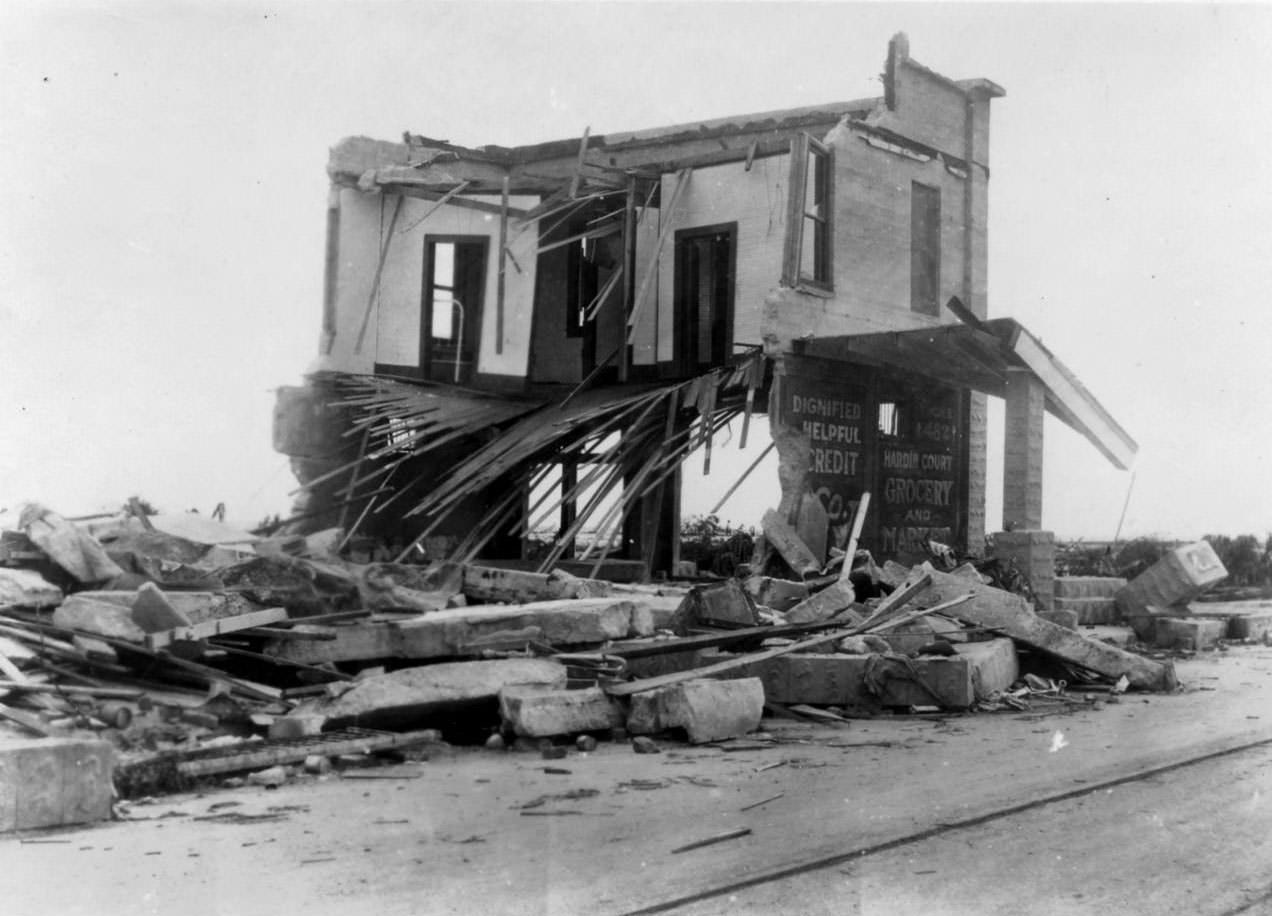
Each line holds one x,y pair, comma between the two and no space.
168,658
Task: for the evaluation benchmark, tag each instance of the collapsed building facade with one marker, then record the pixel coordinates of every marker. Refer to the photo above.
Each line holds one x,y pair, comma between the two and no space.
590,311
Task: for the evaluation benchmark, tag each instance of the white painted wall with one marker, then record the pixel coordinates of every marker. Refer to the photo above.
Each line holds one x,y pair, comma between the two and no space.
393,325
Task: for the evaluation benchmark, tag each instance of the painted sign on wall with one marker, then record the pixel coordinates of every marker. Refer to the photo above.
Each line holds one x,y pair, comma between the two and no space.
836,419
918,472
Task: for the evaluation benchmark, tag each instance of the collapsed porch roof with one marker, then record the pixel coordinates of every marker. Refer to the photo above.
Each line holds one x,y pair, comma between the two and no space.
977,355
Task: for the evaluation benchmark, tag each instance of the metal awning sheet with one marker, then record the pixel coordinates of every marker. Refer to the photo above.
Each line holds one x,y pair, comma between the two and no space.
978,358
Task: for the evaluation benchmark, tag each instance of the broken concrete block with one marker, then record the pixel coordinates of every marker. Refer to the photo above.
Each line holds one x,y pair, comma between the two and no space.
1091,610
1250,626
52,782
24,588
153,612
787,542
457,632
643,745
1088,586
725,605
490,584
1009,614
714,710
835,599
1061,618
195,606
652,612
101,617
812,524
778,594
412,696
296,725
74,550
1180,576
708,710
1189,632
394,586
317,764
994,663
844,680
539,713
1116,636
270,778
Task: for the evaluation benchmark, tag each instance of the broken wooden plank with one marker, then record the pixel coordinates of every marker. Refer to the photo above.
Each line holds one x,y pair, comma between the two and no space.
30,722
256,756
899,597
712,840
218,627
104,693
858,522
1010,615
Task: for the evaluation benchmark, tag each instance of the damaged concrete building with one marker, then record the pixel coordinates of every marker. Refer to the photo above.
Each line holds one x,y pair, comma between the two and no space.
590,311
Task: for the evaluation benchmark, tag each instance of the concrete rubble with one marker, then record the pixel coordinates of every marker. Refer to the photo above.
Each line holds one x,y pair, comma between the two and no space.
145,660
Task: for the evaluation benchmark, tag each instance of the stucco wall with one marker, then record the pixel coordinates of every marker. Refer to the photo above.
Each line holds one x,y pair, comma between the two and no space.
393,330
756,201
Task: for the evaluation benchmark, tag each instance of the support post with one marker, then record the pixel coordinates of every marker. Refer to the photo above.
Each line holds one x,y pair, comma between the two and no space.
629,273
1022,452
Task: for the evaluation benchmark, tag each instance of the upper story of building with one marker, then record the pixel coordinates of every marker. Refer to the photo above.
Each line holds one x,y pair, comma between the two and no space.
659,253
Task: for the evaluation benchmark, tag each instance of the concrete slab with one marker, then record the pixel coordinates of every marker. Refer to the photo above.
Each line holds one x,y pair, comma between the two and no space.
24,588
708,710
1088,586
841,680
1115,636
458,631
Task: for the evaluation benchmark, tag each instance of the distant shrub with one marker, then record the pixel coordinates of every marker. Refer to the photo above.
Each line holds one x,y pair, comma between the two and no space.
717,547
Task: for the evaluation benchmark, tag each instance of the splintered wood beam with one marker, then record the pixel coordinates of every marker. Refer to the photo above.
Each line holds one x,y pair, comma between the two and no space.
745,474
629,267
445,199
379,271
578,166
646,283
598,233
503,267
217,627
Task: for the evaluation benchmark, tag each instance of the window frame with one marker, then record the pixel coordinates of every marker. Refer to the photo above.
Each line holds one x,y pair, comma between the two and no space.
809,155
929,245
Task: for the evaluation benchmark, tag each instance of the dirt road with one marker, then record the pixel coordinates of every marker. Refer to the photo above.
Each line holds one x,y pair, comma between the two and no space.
474,831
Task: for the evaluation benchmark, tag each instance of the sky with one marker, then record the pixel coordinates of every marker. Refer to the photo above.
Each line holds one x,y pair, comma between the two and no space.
163,211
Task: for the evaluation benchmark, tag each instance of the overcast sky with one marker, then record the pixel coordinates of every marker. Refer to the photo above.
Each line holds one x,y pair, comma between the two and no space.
164,193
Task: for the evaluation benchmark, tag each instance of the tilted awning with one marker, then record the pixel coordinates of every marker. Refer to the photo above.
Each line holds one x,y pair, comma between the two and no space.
977,355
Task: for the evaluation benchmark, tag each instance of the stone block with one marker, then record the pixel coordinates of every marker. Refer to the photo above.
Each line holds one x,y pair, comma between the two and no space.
537,713
824,604
708,710
101,617
725,605
1181,575
1189,632
778,594
1090,610
1088,586
994,665
24,588
1250,626
52,782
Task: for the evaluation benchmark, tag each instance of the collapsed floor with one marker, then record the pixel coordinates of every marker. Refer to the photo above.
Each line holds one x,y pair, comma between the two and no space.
148,653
